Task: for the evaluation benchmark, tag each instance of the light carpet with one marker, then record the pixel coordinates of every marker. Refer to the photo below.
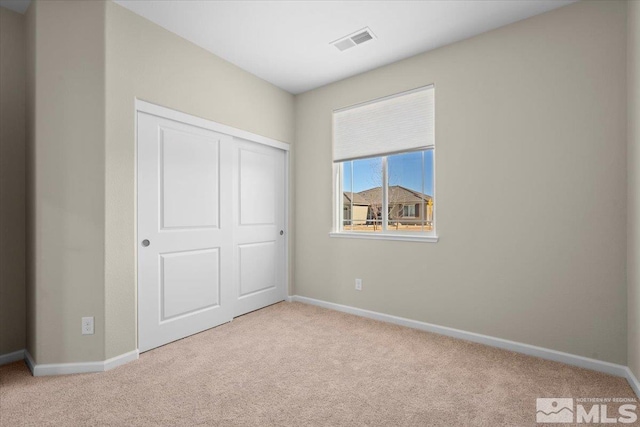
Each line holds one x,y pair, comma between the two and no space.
293,364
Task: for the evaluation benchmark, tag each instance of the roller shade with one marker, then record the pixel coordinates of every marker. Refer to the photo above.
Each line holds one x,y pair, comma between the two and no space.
397,123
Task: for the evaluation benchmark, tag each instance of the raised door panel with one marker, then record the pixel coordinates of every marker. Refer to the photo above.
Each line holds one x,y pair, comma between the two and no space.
189,180
257,188
257,266
190,282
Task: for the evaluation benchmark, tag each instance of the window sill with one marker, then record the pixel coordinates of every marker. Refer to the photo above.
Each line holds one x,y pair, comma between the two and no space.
387,236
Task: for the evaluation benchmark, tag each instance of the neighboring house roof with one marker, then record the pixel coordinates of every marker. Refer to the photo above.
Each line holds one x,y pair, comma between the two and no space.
397,195
358,200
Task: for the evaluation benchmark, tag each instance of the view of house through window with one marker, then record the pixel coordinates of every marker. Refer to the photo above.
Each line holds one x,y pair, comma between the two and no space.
407,181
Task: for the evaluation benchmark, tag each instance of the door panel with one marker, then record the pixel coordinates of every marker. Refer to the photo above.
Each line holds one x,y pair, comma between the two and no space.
257,267
259,209
258,179
190,281
185,274
189,179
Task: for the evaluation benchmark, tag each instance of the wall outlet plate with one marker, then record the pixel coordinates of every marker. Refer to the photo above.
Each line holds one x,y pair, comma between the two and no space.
358,284
87,326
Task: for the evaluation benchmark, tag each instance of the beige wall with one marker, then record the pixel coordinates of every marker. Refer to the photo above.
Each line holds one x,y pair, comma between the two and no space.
633,220
530,125
12,181
66,135
150,63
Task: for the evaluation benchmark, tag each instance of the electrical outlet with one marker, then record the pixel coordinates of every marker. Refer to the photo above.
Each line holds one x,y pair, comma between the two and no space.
358,284
87,326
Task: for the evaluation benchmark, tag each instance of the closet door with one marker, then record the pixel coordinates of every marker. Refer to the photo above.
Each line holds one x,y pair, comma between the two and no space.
185,230
259,226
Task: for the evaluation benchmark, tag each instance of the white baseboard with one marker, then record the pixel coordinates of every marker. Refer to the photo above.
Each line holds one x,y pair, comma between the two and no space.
80,367
120,360
29,361
531,350
14,356
633,381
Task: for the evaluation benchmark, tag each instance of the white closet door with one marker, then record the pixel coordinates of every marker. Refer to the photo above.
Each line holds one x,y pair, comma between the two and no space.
185,230
259,220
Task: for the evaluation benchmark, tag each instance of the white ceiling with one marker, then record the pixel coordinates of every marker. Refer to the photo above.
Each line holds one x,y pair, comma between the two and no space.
287,43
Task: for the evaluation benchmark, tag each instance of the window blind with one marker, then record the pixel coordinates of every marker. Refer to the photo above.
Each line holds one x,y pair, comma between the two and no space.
393,124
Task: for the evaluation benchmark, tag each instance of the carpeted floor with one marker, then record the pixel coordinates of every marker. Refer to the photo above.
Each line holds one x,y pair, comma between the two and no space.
294,364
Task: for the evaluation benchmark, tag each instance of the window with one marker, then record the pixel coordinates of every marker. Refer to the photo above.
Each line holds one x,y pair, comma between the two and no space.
407,197
384,168
409,211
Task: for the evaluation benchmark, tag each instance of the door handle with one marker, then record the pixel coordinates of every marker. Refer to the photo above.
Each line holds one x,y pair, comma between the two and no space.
281,232
145,243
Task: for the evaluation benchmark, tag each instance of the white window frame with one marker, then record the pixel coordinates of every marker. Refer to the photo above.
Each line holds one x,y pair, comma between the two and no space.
386,234
338,199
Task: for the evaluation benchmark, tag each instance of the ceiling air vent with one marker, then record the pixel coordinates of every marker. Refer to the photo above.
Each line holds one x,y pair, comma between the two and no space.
354,39
362,37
